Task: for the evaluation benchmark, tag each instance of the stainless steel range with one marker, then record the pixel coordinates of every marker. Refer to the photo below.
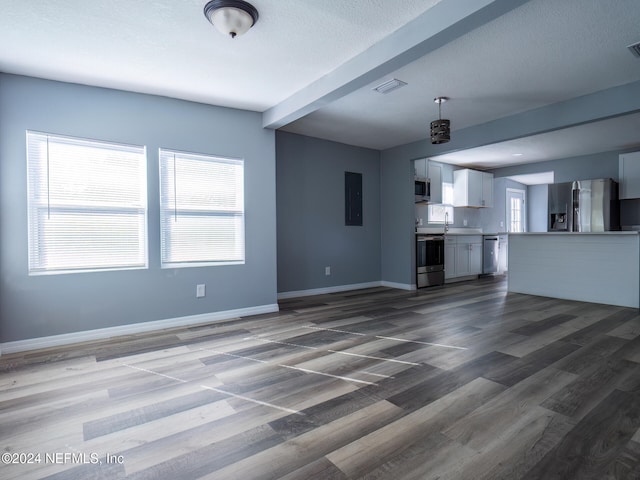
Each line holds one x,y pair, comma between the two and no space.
429,260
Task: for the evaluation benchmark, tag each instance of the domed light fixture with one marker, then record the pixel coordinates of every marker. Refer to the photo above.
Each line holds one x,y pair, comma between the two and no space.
440,129
231,17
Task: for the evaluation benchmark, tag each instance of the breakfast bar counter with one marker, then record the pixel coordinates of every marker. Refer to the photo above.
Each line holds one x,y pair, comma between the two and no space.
599,267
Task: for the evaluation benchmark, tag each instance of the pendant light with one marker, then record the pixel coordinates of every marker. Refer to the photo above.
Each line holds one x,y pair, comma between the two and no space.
441,128
231,17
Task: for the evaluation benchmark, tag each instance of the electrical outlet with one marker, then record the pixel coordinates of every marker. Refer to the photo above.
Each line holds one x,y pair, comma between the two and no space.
327,271
465,222
200,290
501,224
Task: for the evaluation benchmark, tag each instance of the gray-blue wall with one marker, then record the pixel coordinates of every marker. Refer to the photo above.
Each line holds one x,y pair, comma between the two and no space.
494,220
39,306
538,199
398,219
311,225
397,215
398,212
585,167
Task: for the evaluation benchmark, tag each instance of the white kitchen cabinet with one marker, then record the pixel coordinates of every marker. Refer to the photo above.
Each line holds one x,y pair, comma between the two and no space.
472,188
420,168
463,266
474,252
475,258
487,189
449,257
434,174
462,256
467,188
629,175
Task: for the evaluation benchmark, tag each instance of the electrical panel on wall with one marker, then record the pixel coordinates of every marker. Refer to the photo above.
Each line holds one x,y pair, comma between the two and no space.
352,198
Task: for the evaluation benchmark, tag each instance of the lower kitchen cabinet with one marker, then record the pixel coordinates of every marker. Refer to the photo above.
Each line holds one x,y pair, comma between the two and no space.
449,257
462,260
462,256
475,258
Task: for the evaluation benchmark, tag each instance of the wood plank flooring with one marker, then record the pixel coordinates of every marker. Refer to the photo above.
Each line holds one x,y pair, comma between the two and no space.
462,381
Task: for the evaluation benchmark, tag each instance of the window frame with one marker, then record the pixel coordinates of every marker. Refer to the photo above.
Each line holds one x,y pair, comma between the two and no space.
447,207
176,211
38,211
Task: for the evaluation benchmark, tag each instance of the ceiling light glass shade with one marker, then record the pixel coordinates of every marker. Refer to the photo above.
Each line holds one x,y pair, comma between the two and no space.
231,17
440,131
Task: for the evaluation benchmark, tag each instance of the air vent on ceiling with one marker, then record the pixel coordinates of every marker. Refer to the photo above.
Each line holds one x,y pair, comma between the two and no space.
390,86
635,49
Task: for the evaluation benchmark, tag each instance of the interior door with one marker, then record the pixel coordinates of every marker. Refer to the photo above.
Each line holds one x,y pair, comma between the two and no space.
516,220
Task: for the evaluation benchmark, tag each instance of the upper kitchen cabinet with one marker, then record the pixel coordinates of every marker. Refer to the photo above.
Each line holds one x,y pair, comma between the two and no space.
431,171
472,188
629,175
435,180
420,168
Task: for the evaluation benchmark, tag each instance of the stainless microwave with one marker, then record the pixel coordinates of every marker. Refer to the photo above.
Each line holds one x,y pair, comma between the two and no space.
422,190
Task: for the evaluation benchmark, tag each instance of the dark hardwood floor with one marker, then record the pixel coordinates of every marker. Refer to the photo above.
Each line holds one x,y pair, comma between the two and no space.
463,381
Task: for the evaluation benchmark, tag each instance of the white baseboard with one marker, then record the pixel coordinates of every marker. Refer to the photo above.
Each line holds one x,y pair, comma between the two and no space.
343,288
461,279
322,291
401,286
103,333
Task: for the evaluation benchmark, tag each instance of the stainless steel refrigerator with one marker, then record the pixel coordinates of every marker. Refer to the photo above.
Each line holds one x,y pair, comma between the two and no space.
584,206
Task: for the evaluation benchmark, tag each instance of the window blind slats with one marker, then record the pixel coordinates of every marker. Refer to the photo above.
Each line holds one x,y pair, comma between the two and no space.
87,204
437,211
202,209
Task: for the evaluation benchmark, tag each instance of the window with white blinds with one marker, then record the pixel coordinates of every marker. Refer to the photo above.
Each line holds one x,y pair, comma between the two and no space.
87,205
201,209
437,212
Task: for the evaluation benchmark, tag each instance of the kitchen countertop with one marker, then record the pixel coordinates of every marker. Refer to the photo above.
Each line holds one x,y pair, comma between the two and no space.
478,231
597,267
452,231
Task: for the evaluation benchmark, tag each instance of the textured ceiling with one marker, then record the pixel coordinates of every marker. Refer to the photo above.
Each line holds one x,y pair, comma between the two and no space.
538,53
168,47
620,133
541,53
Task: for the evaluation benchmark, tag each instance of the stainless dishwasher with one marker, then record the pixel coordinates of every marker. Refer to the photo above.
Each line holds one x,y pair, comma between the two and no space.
490,254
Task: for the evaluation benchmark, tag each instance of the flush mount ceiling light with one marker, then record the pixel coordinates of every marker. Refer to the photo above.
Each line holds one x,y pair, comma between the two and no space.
231,17
440,129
